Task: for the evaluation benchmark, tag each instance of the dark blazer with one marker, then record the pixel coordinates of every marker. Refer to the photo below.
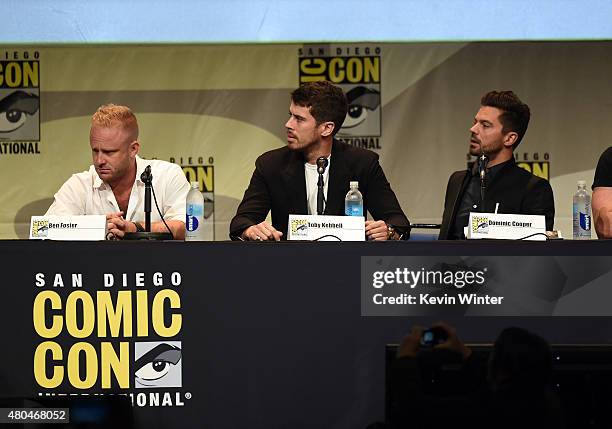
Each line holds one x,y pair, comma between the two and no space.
514,188
279,184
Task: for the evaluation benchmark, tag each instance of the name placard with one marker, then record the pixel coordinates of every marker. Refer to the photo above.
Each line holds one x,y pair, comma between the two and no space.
326,228
77,228
506,226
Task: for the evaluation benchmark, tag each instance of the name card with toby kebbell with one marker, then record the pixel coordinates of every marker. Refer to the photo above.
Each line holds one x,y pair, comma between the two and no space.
326,228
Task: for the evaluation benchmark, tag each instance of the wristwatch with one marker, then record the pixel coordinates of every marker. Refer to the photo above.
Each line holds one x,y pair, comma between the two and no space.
390,232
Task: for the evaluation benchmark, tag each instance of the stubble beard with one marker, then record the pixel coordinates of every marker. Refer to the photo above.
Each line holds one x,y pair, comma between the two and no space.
302,146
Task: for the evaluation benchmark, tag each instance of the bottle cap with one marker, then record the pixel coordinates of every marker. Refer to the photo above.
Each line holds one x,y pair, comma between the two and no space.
582,183
354,184
195,185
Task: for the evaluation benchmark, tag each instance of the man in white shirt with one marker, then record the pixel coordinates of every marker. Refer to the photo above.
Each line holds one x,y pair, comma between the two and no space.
112,185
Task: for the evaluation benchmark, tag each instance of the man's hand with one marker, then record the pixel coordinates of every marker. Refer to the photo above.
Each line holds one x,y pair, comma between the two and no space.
261,232
411,343
376,230
603,223
602,211
453,342
118,226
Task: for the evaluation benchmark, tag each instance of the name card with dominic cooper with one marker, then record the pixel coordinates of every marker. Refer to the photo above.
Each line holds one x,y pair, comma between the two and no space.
506,226
326,228
91,227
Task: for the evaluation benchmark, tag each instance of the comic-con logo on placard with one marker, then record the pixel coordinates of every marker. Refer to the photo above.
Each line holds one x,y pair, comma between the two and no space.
19,102
40,228
480,224
356,68
299,227
196,170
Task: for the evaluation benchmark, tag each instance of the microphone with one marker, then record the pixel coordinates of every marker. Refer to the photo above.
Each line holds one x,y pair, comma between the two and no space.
321,164
147,178
146,175
483,160
146,234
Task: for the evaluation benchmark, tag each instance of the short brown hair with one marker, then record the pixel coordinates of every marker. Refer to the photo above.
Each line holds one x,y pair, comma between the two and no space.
325,101
515,116
112,115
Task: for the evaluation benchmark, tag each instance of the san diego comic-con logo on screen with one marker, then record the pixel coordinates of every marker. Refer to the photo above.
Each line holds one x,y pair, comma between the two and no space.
19,102
356,68
196,170
110,334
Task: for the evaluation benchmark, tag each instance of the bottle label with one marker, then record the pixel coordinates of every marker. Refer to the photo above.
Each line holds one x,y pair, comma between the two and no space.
353,210
192,223
195,212
585,221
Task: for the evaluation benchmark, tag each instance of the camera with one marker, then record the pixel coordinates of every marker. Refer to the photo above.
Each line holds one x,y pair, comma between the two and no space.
433,336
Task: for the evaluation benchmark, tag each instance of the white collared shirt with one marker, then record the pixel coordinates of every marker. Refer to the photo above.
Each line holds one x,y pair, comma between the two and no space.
86,194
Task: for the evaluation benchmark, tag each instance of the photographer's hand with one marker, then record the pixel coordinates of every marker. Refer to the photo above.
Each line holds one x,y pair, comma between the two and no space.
411,343
453,342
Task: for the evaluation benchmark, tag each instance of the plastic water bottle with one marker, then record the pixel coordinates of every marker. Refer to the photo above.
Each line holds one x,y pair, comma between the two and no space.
353,203
194,224
582,213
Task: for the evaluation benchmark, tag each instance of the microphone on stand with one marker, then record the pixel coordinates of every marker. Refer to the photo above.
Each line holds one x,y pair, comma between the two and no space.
146,175
147,179
483,160
321,166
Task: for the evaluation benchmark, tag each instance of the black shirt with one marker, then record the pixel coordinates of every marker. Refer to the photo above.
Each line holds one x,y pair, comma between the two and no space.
603,173
471,198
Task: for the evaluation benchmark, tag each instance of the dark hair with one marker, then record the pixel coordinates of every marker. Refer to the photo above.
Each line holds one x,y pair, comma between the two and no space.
325,101
520,358
515,116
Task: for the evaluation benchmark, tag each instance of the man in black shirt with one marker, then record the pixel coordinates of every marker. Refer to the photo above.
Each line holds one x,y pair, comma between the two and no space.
498,128
602,195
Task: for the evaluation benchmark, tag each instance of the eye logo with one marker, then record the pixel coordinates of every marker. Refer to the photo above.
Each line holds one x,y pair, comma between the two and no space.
40,228
16,109
480,224
299,227
20,100
158,364
361,99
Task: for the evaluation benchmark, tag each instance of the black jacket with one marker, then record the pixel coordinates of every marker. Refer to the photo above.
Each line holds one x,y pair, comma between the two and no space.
279,184
517,190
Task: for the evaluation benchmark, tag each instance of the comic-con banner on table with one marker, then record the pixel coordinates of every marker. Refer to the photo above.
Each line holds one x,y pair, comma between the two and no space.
188,336
213,109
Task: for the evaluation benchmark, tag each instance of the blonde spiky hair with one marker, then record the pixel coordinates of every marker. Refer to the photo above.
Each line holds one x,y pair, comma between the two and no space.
113,115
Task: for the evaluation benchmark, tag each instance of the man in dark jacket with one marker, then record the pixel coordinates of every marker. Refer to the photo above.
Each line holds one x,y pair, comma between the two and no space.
495,182
285,180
